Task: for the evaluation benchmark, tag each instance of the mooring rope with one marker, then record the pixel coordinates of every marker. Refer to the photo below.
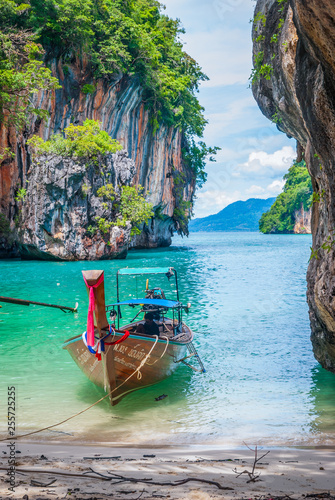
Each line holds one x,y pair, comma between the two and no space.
91,406
166,346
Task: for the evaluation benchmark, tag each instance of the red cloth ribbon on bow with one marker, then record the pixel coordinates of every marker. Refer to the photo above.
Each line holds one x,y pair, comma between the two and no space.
124,337
91,308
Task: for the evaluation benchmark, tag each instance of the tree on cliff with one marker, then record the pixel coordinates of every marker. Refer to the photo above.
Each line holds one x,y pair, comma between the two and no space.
297,193
129,37
22,70
133,37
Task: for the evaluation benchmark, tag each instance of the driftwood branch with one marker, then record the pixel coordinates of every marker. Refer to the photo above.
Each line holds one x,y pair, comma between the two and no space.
33,482
116,478
252,476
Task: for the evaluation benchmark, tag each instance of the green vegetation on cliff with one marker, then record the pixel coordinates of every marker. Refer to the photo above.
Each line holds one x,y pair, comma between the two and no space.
91,144
82,141
22,73
297,193
129,36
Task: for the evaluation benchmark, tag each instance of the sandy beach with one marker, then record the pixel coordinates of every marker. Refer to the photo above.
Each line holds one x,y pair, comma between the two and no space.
61,471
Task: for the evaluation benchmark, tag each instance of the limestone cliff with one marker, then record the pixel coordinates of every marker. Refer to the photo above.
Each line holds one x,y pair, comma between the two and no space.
156,154
294,85
303,220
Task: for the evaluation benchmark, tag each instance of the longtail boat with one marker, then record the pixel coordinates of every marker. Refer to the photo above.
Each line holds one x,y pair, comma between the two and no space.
121,359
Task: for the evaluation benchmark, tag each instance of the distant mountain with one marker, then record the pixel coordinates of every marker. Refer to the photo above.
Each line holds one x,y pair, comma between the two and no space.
238,216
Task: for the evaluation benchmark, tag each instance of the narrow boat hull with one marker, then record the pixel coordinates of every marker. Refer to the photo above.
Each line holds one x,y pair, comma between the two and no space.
124,359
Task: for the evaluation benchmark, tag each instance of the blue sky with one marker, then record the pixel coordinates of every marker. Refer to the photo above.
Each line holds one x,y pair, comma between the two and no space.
254,155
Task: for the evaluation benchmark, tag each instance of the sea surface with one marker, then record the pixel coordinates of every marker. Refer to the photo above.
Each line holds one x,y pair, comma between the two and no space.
250,318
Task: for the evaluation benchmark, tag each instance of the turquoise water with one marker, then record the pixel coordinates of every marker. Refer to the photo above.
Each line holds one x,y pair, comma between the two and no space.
250,317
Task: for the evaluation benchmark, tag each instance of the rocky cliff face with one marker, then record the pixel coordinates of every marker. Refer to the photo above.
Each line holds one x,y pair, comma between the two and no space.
298,48
118,105
62,202
303,219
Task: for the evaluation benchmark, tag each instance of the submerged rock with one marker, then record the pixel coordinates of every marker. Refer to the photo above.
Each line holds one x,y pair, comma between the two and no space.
294,43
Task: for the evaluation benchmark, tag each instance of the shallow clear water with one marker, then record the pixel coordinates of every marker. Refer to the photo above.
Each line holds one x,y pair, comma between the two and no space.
250,317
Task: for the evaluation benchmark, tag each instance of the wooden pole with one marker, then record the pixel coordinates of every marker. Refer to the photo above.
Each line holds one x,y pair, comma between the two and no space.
100,322
22,302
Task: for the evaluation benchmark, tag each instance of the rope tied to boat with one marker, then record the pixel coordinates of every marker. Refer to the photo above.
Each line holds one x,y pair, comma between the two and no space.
160,357
99,346
91,406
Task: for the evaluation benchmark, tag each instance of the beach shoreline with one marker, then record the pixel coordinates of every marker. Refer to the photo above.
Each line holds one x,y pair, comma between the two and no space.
196,472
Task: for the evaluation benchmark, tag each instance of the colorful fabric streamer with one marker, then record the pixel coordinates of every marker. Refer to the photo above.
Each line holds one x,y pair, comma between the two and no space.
91,308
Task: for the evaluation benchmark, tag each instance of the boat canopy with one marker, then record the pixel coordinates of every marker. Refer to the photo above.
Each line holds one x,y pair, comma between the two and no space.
145,270
171,304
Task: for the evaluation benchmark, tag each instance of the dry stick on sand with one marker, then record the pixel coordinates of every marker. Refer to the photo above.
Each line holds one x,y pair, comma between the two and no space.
252,476
121,479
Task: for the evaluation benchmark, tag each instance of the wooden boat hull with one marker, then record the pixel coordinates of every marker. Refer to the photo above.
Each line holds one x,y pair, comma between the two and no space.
123,360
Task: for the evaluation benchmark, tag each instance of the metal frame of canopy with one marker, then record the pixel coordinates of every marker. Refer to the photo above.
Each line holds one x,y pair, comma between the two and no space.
160,303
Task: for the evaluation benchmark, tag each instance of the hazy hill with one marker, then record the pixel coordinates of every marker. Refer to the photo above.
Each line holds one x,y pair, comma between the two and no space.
238,216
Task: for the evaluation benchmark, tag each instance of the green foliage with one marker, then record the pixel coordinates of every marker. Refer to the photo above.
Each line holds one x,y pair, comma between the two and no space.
6,153
281,5
84,190
91,230
314,253
88,89
107,192
281,23
133,208
132,37
127,36
22,72
129,206
4,224
196,155
82,141
297,193
103,225
317,197
327,246
21,194
266,71
276,118
258,62
259,17
181,215
261,69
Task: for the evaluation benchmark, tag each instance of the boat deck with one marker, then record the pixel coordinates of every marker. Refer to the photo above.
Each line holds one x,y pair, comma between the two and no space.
165,331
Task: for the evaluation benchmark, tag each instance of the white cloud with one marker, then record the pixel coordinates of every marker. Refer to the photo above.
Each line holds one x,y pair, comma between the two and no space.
269,191
276,187
255,190
264,164
213,200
